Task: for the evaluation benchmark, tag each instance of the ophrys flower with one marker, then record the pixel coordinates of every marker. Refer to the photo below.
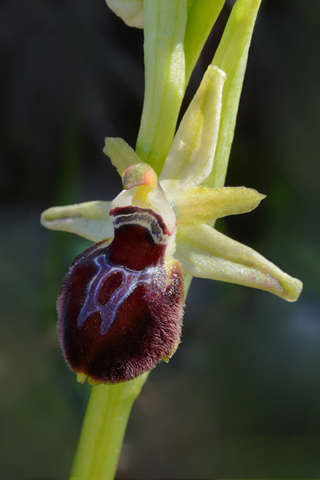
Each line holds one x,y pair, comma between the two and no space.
120,308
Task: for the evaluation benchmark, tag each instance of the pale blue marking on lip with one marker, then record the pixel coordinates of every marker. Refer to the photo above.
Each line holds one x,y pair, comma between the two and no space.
131,279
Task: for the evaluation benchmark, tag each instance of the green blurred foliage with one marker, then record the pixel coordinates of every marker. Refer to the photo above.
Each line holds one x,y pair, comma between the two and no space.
241,398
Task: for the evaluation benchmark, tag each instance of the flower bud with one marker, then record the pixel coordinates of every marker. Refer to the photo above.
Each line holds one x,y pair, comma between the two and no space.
131,11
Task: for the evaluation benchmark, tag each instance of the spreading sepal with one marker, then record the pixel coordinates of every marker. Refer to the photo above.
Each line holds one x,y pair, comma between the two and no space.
206,253
89,220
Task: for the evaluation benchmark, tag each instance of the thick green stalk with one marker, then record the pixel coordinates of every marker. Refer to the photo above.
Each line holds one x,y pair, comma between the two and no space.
104,428
164,31
105,424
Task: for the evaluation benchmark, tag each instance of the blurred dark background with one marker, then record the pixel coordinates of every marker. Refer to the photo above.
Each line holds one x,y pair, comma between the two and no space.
241,398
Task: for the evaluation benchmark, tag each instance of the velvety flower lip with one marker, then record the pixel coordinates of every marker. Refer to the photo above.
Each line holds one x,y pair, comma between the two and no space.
120,307
202,250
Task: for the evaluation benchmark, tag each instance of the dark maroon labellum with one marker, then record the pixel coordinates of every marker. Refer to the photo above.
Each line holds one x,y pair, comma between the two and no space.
120,309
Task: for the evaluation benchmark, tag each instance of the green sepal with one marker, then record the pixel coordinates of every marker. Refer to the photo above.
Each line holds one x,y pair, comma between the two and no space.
89,220
206,253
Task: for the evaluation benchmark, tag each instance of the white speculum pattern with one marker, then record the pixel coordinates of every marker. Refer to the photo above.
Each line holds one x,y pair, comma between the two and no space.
131,279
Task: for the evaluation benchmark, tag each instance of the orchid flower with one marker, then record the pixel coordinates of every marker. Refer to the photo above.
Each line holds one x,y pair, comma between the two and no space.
121,304
177,212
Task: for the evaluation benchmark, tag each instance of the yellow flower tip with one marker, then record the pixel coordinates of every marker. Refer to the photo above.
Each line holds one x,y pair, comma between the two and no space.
139,174
281,284
107,145
44,217
238,199
50,216
81,378
293,289
93,382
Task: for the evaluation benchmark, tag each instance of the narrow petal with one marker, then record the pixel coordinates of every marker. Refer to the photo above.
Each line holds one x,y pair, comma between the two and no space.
195,205
206,253
89,220
120,153
190,158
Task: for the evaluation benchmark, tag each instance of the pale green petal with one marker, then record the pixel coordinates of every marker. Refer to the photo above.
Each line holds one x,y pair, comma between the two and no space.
164,32
89,220
195,205
121,154
206,253
131,11
231,56
191,156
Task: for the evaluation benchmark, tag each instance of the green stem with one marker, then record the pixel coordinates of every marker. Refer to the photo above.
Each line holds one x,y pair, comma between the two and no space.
104,428
105,424
164,31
